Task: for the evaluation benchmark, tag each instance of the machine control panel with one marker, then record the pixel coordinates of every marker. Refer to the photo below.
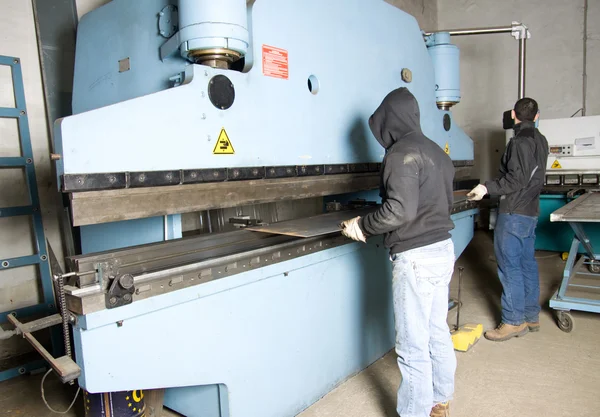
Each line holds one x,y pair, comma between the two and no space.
561,150
572,179
552,179
589,179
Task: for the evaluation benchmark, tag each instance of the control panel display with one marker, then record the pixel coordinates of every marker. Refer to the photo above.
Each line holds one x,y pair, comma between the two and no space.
562,150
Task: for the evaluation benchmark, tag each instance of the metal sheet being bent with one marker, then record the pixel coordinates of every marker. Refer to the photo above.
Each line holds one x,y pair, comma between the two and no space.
322,224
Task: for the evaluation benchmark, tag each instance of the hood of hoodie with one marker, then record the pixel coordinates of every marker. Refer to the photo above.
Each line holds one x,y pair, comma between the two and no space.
396,117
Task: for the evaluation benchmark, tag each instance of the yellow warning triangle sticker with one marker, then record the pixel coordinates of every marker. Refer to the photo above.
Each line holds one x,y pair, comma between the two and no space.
556,164
447,149
223,145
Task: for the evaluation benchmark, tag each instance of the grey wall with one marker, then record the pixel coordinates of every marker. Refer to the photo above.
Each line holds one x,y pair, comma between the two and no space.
593,56
489,65
425,11
85,6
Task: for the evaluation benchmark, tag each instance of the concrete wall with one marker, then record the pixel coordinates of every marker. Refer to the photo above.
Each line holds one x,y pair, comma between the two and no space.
593,58
425,11
489,65
85,6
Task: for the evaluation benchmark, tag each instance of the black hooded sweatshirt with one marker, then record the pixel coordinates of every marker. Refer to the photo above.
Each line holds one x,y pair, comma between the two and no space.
416,179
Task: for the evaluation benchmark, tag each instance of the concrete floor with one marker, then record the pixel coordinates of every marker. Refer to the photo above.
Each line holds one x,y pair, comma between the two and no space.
550,373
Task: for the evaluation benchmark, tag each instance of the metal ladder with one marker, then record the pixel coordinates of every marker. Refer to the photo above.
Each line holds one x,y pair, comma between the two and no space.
40,257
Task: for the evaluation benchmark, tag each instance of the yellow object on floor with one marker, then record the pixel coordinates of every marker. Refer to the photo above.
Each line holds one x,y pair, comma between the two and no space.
466,336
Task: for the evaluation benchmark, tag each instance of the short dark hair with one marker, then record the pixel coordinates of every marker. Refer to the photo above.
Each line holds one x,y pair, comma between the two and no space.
526,109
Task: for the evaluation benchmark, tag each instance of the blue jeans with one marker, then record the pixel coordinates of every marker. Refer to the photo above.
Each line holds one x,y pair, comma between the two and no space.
514,244
426,358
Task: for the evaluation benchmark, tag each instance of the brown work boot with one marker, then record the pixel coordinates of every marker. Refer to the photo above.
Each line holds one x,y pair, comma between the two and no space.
440,410
533,326
506,331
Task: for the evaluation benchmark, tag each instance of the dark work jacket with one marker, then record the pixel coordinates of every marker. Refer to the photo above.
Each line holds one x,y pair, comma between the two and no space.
522,172
416,179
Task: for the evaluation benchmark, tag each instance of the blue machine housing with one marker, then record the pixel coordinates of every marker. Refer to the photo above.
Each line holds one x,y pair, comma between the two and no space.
273,121
118,30
268,342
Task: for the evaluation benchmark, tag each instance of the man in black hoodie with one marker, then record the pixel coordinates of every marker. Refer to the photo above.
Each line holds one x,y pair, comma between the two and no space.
417,198
519,183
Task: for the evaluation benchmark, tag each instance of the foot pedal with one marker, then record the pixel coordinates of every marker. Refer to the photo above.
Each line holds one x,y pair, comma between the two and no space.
466,336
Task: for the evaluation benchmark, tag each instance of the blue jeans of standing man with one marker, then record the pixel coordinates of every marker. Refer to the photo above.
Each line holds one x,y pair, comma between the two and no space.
426,358
514,245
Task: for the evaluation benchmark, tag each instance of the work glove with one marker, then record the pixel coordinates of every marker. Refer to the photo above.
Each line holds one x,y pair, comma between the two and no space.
477,193
351,229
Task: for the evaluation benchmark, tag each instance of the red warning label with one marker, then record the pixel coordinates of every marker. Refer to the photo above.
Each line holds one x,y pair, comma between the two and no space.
275,62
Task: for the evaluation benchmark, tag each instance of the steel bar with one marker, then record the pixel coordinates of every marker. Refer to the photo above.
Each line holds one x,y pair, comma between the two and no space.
582,237
474,31
522,67
584,74
43,323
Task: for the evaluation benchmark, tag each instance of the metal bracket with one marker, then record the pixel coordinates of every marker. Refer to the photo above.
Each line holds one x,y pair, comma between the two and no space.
244,221
360,204
177,80
356,204
120,292
168,21
520,31
575,192
170,47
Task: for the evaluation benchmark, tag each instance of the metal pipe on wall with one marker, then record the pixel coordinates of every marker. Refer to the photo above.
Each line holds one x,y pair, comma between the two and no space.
522,68
475,31
584,75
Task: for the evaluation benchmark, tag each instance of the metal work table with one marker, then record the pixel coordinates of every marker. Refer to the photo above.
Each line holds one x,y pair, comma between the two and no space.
579,289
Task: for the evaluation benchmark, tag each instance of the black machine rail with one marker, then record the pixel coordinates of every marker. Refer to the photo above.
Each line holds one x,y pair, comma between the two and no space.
124,180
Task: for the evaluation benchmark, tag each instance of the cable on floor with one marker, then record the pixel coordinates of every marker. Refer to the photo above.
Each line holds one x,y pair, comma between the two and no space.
46,402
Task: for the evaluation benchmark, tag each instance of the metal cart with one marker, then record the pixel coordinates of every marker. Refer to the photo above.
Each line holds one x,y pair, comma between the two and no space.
580,287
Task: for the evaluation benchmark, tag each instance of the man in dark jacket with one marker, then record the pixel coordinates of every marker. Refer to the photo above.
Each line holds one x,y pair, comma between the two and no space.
417,198
519,183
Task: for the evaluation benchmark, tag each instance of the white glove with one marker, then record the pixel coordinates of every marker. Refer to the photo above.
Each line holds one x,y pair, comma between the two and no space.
477,193
351,229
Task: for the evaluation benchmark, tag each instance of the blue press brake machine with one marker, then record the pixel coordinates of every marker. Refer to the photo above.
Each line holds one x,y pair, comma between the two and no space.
195,106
